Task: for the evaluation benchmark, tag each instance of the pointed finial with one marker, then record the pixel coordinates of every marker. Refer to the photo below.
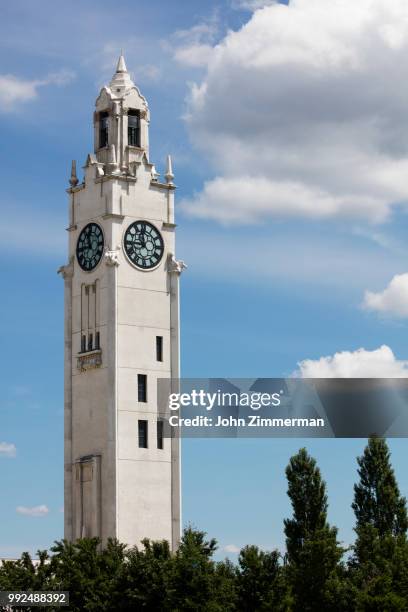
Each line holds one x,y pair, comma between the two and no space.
169,176
121,67
73,181
121,81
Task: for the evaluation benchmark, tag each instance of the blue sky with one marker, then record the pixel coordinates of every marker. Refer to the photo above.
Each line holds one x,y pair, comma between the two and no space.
290,164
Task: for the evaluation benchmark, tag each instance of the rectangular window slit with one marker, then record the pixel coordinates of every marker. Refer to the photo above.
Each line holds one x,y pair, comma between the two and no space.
103,129
142,387
142,433
160,434
159,348
134,128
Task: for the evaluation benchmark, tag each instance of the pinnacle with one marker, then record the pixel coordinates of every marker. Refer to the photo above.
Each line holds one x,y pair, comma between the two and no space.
121,67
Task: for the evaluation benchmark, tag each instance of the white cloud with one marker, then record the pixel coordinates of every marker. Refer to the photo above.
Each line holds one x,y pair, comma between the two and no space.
194,47
32,511
248,199
379,363
292,110
231,548
251,5
193,55
393,300
7,449
15,90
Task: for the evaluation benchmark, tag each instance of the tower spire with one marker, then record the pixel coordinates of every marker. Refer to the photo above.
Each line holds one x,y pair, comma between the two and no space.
121,81
121,66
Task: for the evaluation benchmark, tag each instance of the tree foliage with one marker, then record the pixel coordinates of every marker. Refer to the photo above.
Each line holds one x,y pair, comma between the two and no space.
313,553
379,566
377,500
311,575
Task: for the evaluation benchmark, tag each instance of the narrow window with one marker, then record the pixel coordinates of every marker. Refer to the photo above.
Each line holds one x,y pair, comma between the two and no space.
142,434
83,344
97,340
90,342
160,434
133,128
142,387
159,348
103,129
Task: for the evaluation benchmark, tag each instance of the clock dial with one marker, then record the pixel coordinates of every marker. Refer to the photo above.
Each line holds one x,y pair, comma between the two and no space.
144,245
89,248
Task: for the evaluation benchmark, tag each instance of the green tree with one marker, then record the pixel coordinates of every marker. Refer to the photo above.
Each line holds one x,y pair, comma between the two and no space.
198,583
148,575
94,576
313,553
377,500
260,582
379,566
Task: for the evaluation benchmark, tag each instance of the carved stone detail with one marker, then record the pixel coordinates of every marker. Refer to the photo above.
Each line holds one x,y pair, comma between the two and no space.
67,271
111,258
175,266
89,361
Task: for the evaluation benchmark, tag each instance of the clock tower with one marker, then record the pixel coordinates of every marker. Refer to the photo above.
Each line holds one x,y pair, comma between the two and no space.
122,476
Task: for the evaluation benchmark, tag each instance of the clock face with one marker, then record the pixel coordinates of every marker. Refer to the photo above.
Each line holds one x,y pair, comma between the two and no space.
89,248
143,245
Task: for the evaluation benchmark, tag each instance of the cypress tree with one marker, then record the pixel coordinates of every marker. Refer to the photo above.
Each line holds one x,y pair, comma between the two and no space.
377,500
379,566
313,553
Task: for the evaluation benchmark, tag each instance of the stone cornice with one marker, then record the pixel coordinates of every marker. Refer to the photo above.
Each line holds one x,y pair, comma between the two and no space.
113,216
163,185
121,177
75,189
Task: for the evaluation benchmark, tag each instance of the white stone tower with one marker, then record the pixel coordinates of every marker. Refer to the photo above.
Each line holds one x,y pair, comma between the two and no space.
122,478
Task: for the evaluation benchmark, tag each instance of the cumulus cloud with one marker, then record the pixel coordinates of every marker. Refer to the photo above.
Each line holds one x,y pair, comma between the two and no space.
304,109
248,199
393,300
7,449
379,363
32,511
15,90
